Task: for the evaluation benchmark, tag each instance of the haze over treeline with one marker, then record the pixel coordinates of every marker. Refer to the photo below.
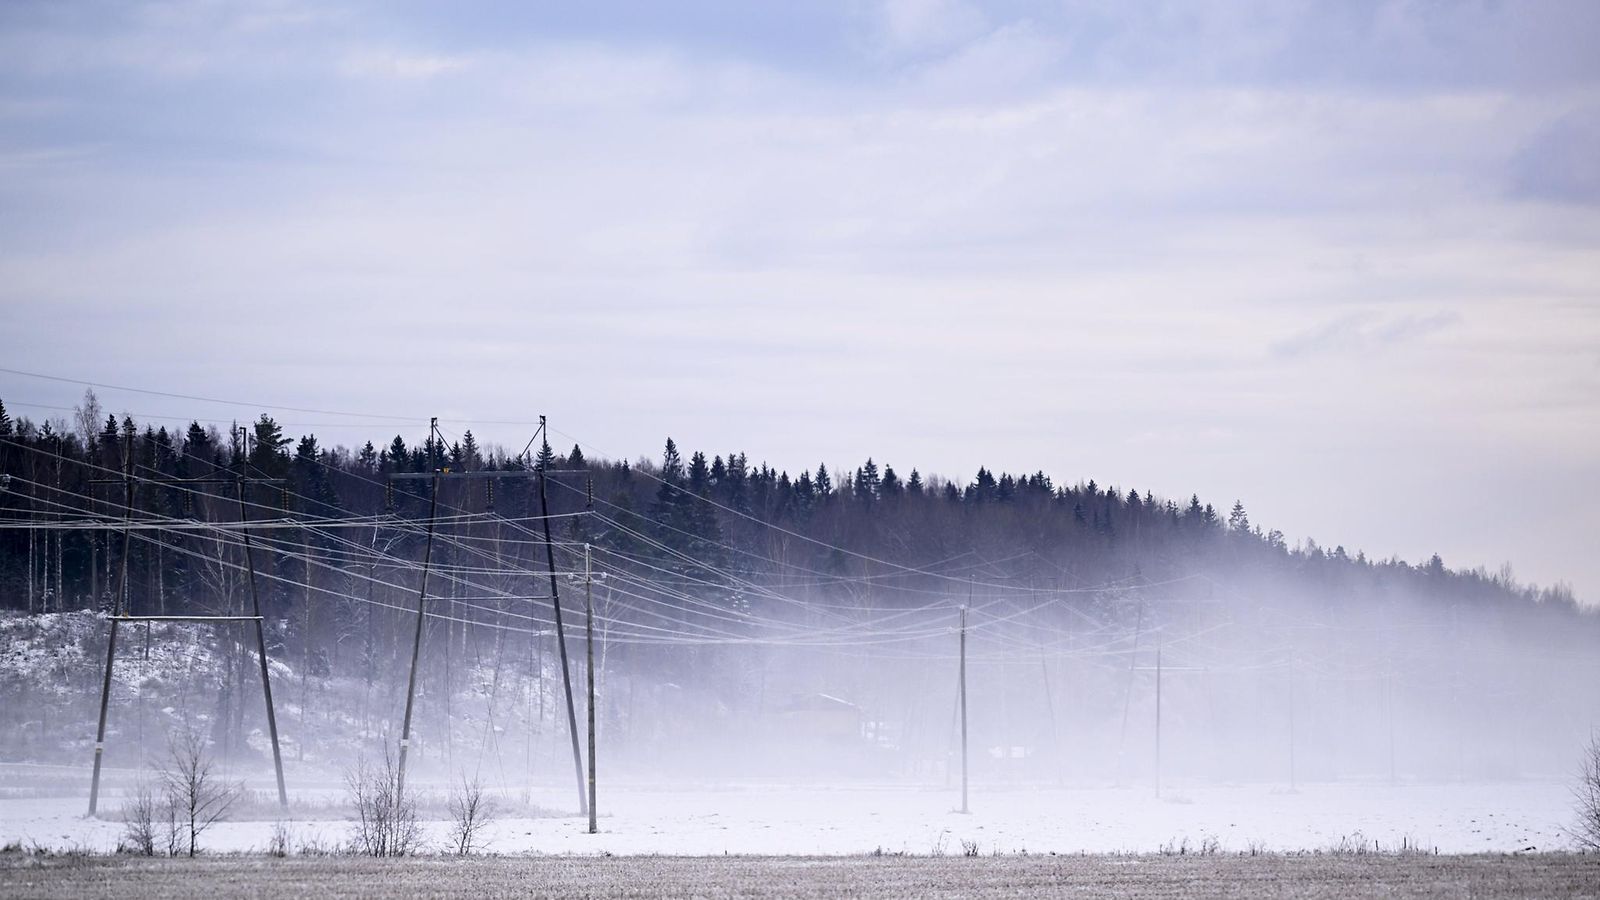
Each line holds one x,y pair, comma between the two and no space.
731,592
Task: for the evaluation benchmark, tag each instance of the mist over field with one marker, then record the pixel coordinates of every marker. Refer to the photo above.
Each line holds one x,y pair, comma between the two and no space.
756,631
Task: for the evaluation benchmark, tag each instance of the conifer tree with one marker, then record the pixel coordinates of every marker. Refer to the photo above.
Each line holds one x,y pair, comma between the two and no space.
823,484
890,487
268,456
1238,520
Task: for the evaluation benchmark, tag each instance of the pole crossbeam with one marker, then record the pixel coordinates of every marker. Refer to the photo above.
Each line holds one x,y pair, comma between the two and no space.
480,473
189,618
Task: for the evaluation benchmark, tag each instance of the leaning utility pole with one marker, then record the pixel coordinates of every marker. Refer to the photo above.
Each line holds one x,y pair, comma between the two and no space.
422,596
261,645
964,710
561,634
588,642
111,645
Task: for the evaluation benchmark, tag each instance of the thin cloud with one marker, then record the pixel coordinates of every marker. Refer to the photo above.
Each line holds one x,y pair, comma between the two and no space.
1363,333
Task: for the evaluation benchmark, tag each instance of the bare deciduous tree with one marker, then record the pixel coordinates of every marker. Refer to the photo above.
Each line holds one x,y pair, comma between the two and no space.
198,797
386,819
471,811
1587,832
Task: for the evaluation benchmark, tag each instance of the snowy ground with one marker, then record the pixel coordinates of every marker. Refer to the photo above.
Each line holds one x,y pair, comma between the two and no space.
836,820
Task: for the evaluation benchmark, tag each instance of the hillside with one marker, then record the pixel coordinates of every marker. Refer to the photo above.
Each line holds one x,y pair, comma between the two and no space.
727,593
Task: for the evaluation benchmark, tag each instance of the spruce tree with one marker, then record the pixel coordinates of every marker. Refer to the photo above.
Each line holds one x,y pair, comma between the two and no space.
268,457
890,487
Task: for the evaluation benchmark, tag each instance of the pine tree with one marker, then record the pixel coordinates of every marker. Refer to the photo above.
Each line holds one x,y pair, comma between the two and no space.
823,483
982,488
471,455
867,482
738,482
1238,520
5,421
699,474
268,456
666,511
575,459
111,444
890,488
914,483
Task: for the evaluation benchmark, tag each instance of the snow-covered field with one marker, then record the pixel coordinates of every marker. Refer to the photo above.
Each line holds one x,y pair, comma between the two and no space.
855,819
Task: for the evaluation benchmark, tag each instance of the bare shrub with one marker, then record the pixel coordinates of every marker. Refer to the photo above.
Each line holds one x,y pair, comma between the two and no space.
969,848
197,797
140,827
386,820
315,844
278,840
470,813
1586,833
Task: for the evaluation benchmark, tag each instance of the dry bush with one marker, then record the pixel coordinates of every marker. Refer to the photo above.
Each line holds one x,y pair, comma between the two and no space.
470,813
140,826
1586,833
386,820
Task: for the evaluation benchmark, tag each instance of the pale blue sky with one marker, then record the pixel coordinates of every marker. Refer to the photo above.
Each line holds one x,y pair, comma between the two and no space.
1336,259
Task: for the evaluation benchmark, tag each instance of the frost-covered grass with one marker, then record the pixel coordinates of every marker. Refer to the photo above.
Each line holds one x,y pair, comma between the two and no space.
842,820
1343,876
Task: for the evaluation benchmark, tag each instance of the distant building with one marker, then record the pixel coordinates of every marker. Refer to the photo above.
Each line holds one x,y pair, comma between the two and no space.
823,716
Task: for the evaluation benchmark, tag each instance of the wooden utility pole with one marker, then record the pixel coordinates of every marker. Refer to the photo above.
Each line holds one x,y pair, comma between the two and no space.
588,610
261,646
1158,720
1388,712
963,682
1161,669
1291,721
416,642
1050,709
111,643
561,635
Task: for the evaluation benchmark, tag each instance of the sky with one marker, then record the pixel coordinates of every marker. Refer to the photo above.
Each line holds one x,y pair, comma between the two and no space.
1337,260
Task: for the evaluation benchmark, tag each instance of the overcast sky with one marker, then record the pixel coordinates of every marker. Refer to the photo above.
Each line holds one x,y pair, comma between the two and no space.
1339,260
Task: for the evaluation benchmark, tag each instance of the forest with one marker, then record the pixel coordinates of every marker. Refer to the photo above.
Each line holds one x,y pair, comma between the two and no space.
724,590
